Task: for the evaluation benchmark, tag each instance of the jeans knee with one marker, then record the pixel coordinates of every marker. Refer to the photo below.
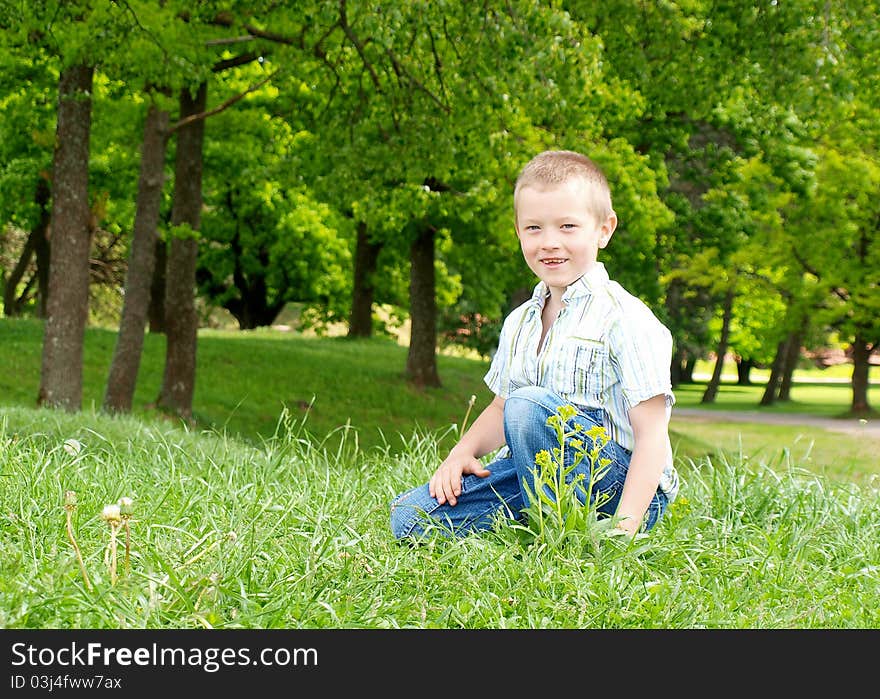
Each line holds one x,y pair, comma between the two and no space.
400,519
528,403
409,512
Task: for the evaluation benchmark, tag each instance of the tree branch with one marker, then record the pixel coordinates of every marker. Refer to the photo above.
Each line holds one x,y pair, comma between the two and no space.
840,293
358,45
228,103
231,40
399,70
234,62
276,38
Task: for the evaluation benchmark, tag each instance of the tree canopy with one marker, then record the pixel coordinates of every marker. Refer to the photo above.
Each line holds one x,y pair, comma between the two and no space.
367,151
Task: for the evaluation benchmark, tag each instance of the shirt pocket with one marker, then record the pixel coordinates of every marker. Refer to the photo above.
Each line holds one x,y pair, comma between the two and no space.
586,361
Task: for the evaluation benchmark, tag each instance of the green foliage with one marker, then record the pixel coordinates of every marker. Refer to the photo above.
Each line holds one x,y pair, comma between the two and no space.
844,257
28,93
739,139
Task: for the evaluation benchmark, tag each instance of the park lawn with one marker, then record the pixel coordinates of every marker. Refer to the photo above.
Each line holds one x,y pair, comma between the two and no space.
245,380
289,534
838,456
260,518
807,397
331,386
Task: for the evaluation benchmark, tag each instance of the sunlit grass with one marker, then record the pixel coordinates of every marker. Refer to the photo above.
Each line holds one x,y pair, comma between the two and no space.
291,534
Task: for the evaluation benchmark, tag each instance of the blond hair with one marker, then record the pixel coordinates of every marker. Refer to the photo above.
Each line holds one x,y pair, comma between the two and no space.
555,167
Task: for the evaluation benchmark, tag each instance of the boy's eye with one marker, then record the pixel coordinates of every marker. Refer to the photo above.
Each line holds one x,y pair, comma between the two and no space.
568,226
533,228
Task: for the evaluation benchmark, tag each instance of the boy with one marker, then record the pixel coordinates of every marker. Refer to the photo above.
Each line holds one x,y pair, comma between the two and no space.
581,340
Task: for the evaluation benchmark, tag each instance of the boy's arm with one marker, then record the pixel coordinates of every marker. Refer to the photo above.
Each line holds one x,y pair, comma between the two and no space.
484,436
651,433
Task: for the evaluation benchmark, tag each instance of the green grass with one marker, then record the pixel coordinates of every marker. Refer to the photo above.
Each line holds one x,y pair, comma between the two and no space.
807,398
245,379
290,535
262,519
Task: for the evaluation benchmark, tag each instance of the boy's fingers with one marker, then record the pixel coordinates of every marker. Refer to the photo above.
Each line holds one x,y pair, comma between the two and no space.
453,489
476,467
442,487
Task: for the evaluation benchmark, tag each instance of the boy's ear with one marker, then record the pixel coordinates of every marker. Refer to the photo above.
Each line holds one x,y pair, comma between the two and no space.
607,229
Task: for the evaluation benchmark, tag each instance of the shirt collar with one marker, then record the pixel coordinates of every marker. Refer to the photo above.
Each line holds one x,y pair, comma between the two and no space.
585,285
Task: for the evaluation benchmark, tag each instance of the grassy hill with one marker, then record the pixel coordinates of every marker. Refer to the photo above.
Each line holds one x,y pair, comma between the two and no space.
246,380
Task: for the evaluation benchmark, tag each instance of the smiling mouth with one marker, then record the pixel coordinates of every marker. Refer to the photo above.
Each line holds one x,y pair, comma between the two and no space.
554,260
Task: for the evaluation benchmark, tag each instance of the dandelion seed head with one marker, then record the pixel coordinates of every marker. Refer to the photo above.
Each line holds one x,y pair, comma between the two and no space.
126,507
111,514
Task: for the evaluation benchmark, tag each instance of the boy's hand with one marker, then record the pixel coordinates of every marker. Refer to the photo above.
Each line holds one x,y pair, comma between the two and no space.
445,484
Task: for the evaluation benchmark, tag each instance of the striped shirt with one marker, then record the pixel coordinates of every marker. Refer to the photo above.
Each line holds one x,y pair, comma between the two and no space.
605,350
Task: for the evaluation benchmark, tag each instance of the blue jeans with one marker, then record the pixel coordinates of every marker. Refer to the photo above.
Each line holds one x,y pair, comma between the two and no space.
415,513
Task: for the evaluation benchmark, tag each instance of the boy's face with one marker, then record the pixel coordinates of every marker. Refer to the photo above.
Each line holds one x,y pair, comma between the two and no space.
559,235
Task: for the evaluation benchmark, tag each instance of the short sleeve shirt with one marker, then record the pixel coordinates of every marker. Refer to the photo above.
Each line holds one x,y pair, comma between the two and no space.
606,350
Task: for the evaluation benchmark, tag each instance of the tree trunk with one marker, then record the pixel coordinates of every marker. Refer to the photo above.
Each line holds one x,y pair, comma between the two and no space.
181,320
743,372
861,368
770,390
712,389
687,371
366,256
675,368
68,303
156,311
792,354
12,301
252,308
43,252
130,340
421,361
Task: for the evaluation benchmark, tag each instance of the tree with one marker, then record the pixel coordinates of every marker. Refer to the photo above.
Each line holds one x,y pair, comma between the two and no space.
123,373
433,120
266,240
67,307
28,101
148,292
844,258
181,320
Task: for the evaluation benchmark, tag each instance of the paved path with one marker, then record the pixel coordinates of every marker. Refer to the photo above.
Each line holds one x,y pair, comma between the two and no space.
851,426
